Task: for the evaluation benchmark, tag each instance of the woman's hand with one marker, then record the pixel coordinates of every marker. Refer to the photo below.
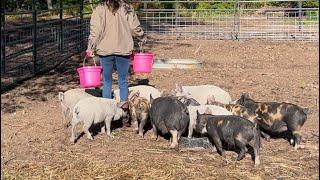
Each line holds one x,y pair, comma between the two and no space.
89,53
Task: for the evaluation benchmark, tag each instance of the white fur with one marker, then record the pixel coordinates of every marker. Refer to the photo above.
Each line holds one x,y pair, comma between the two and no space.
94,110
144,91
69,99
203,92
215,110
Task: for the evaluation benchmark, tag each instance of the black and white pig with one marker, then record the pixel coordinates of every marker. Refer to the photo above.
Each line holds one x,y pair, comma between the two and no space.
232,130
169,115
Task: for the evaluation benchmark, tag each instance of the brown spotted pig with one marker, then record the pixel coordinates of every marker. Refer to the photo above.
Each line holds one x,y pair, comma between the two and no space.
278,117
139,109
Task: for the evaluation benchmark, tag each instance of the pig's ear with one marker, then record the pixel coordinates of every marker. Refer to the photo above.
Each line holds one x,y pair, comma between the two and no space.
137,93
163,92
246,96
61,96
123,104
208,111
186,110
151,99
172,93
211,100
130,104
178,88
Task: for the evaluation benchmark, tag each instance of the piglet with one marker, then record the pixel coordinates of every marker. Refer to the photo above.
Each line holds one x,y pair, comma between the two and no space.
278,117
139,111
169,115
232,130
95,110
68,100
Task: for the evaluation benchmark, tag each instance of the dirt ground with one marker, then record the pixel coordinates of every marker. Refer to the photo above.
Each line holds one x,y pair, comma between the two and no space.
34,144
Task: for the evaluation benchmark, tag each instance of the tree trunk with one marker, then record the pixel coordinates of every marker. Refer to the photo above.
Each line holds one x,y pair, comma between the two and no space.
49,3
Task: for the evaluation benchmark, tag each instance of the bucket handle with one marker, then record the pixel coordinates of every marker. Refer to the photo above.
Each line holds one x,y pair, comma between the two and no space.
84,61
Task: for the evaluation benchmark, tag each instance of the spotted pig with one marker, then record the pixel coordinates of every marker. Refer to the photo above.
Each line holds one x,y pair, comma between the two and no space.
278,117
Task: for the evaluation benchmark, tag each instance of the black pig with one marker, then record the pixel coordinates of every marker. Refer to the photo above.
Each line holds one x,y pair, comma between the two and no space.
232,130
169,115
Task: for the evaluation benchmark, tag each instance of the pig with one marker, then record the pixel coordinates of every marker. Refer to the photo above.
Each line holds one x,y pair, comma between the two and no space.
169,115
278,117
95,110
233,130
203,92
144,91
68,100
139,108
209,109
239,110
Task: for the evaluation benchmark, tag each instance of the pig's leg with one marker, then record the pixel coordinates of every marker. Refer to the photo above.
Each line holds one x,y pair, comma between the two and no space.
64,111
190,132
174,144
86,126
297,139
141,125
103,128
294,128
108,126
136,126
256,150
155,133
179,135
73,135
255,143
135,122
242,146
217,142
266,136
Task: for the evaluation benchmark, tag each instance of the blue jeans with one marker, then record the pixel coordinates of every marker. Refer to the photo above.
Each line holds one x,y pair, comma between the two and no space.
122,64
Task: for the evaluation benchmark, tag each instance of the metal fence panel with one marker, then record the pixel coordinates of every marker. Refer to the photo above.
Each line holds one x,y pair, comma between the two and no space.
240,22
35,41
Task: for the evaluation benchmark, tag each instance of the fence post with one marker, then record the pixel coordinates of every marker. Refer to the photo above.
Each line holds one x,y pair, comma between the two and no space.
236,20
176,8
61,26
3,38
81,28
145,6
34,36
300,14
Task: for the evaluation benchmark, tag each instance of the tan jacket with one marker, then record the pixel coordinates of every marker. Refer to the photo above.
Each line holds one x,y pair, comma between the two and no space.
113,33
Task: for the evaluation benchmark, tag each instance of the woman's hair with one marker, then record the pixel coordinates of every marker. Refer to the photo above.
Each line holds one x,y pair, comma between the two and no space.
113,5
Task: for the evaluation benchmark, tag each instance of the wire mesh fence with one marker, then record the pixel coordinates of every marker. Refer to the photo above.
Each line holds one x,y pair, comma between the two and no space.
246,19
34,40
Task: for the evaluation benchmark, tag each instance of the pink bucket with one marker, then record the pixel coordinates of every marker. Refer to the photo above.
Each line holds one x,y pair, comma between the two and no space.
90,76
142,62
